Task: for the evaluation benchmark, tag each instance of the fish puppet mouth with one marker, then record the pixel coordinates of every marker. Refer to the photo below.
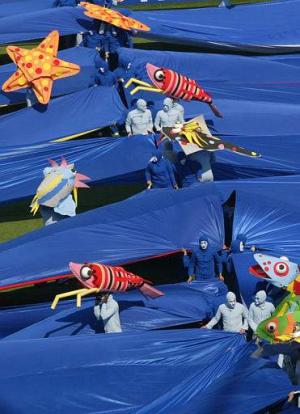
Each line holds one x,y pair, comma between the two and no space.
84,273
256,270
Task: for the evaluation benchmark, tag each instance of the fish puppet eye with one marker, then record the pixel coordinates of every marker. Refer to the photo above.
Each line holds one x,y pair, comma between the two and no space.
281,269
86,272
271,327
159,75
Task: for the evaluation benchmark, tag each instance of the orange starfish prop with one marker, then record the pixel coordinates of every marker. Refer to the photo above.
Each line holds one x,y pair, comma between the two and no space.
38,68
112,17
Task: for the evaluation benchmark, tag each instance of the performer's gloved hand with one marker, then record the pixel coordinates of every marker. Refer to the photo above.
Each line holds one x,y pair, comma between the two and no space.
149,185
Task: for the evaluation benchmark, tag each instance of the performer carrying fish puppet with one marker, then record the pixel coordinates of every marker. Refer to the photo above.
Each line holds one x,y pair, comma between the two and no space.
284,324
96,277
54,195
174,85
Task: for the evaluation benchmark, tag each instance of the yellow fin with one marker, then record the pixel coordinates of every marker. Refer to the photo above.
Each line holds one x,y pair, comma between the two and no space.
75,193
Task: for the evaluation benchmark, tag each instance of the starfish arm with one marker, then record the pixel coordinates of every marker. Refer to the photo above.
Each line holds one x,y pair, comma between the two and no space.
50,43
15,82
63,69
12,52
42,88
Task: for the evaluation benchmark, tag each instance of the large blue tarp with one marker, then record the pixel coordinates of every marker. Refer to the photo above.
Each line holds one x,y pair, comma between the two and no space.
124,160
258,28
285,188
268,223
279,156
38,24
97,107
183,303
84,57
76,113
157,372
211,27
12,7
223,75
248,117
148,224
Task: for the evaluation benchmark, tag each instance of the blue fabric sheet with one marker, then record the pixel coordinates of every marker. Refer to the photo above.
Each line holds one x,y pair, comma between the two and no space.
12,7
259,28
182,304
285,188
268,223
225,76
83,57
98,107
150,223
15,319
210,27
279,156
38,24
76,113
157,372
124,160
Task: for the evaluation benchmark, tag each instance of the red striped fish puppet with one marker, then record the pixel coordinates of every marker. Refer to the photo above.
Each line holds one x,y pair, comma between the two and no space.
174,85
96,277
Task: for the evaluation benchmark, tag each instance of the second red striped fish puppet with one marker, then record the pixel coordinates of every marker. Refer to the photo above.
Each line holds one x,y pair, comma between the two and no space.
173,84
96,277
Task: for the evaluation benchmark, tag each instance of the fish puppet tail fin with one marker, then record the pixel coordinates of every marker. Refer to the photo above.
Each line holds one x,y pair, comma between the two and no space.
215,110
34,206
150,291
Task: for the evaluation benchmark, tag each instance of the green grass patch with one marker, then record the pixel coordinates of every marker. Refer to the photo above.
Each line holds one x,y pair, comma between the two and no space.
189,5
16,219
